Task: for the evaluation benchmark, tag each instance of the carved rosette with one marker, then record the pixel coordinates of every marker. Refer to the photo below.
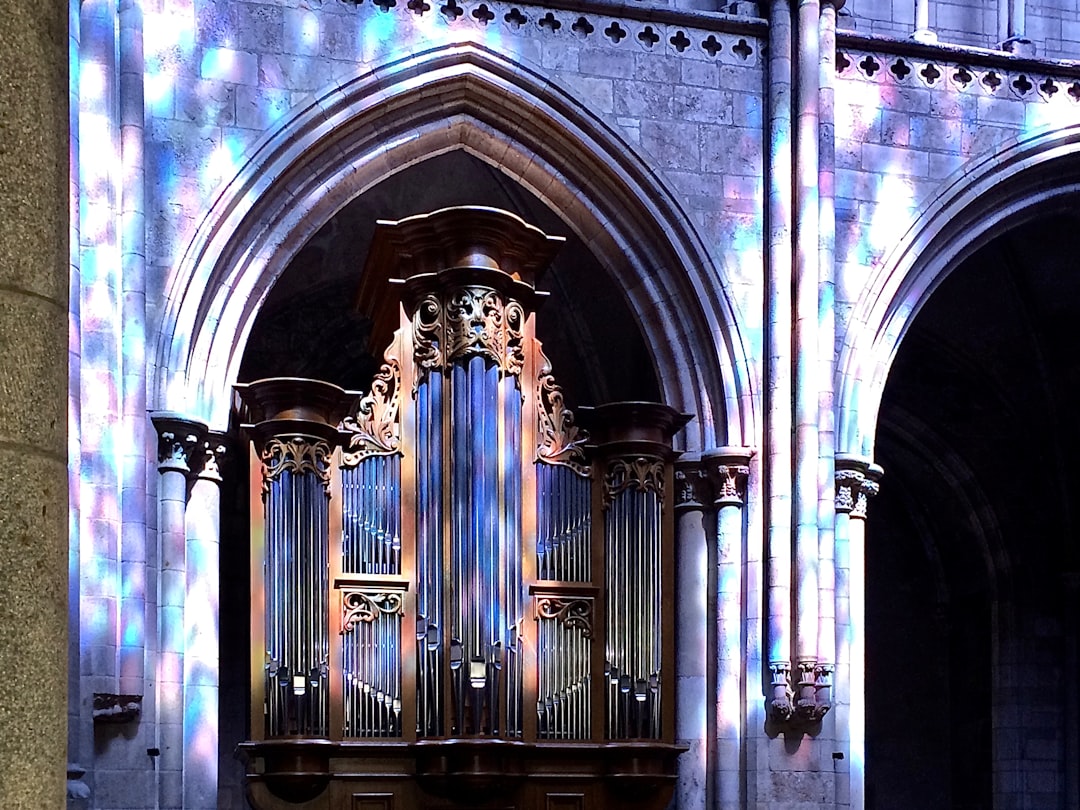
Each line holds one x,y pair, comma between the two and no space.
366,606
642,474
469,320
571,611
559,440
298,455
375,429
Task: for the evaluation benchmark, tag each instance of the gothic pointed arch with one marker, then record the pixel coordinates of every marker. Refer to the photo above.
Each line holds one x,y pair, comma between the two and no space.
1002,189
456,97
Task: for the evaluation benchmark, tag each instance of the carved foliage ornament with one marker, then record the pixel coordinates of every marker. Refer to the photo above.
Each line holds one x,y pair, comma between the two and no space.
175,448
367,606
298,455
570,611
375,429
731,482
691,486
848,483
469,320
642,474
560,441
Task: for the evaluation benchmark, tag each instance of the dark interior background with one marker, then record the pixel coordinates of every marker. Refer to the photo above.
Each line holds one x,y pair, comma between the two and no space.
971,545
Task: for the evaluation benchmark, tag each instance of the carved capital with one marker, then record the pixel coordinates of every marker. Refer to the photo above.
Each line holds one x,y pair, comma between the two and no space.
856,482
298,455
730,470
692,487
213,455
179,439
469,319
643,474
848,485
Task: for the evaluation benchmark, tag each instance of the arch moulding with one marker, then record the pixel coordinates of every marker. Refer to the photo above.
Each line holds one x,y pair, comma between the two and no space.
456,97
1015,183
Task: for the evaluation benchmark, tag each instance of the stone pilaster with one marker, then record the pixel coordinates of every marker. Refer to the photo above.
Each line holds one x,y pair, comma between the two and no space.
729,470
181,446
856,482
693,518
201,617
33,404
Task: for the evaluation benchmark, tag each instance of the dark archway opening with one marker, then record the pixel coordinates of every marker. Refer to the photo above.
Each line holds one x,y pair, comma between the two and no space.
971,552
311,325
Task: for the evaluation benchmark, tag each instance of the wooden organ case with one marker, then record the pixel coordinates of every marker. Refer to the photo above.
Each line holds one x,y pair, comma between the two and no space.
461,597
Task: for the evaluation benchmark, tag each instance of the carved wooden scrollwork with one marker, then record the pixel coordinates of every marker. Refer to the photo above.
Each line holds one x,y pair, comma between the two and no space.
559,440
572,612
375,428
367,605
469,320
427,334
297,454
643,474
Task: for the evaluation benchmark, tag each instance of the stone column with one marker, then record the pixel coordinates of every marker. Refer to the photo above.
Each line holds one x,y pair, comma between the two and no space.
729,469
856,482
33,403
692,717
1012,23
201,612
922,32
179,440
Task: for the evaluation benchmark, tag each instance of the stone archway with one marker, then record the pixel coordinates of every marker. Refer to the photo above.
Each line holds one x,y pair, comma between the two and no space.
952,376
459,97
1000,190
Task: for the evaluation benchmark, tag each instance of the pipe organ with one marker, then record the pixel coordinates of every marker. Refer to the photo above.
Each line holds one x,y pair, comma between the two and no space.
461,591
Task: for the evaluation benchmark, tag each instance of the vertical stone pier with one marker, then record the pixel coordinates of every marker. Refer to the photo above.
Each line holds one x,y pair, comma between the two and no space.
33,403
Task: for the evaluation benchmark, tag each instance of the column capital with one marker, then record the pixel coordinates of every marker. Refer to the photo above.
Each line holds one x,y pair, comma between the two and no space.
729,468
692,486
179,439
857,480
215,449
